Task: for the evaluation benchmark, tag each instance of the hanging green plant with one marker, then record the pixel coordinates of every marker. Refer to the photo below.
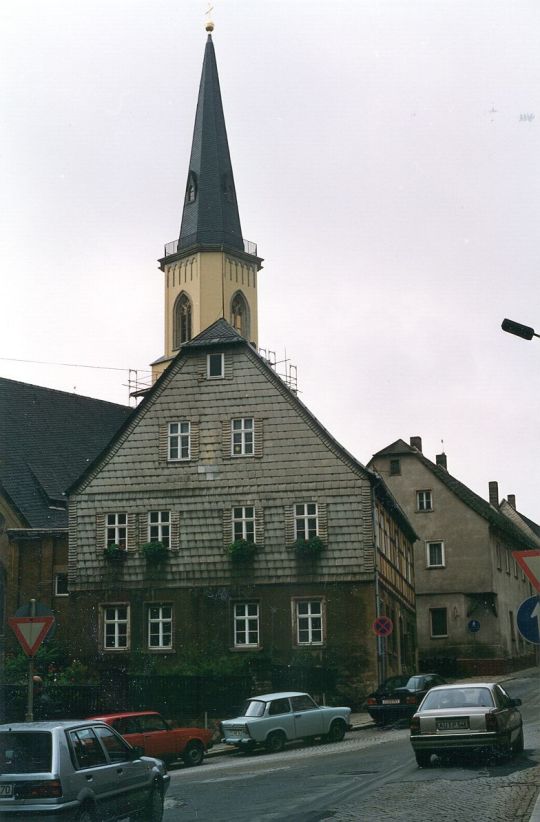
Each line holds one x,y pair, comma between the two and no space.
241,550
113,553
155,553
309,548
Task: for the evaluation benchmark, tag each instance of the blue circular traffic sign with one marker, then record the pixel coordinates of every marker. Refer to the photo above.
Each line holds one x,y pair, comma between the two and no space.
528,620
473,625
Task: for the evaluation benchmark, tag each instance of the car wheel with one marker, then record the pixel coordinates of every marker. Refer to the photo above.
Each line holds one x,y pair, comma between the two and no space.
336,732
519,744
193,754
423,759
275,742
86,814
154,806
504,748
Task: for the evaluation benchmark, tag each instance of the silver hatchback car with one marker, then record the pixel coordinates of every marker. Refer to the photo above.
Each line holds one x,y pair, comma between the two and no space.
473,716
76,770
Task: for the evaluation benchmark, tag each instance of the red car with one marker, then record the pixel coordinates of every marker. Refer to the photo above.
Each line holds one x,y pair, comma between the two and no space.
148,731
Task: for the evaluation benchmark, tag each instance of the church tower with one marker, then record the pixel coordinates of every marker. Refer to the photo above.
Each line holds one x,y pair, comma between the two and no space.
210,271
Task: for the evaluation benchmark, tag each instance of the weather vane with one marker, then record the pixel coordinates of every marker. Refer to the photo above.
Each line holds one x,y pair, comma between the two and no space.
209,23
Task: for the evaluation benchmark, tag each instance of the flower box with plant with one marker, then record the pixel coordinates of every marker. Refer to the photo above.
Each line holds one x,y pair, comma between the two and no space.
241,550
308,548
113,553
155,553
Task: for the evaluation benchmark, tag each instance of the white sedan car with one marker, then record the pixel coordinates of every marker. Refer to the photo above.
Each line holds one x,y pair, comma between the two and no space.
474,716
272,720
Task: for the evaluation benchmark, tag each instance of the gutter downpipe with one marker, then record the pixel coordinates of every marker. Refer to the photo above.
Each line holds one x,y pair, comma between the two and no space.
381,659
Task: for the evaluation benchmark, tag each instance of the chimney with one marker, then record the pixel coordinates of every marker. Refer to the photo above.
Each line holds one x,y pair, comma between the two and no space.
494,494
416,442
440,459
512,500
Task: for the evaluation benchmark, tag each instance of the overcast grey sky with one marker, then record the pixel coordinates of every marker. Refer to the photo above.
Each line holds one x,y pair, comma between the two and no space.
386,160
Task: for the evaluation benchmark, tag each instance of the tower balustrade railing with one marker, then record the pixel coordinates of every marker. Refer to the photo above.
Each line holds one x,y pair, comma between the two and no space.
209,238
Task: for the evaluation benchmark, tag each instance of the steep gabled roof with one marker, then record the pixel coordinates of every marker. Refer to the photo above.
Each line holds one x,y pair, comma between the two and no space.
210,215
220,334
47,437
470,498
528,526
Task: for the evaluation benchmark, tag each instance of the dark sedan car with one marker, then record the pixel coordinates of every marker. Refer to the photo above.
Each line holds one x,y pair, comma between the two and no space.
392,702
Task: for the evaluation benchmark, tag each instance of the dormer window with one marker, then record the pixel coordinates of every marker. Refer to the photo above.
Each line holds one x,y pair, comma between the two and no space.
215,368
191,188
228,187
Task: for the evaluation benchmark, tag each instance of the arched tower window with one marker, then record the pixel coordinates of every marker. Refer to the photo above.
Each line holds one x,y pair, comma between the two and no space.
182,320
240,314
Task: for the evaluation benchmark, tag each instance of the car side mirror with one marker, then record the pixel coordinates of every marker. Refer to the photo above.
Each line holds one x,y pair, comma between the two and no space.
136,752
515,703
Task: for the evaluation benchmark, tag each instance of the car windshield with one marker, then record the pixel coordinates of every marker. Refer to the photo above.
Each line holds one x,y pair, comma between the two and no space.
253,707
25,752
415,683
458,698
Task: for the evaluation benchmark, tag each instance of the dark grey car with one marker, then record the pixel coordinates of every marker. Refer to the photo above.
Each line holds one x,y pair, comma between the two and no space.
76,770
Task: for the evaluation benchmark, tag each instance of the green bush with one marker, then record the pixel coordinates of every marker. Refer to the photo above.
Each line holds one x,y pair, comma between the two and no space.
114,553
309,548
155,553
241,550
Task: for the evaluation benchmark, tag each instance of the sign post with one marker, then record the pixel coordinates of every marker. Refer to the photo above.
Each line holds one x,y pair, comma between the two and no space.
31,631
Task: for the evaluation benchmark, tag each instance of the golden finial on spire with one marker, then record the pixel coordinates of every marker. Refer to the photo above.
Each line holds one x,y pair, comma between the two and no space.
209,23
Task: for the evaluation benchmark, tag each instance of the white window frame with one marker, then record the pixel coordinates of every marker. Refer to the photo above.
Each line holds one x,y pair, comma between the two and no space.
243,522
437,636
179,441
116,530
424,500
307,612
429,563
116,620
243,437
246,622
213,358
57,593
163,622
159,527
305,514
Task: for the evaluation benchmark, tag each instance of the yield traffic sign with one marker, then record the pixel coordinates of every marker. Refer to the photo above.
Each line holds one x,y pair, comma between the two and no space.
31,631
530,562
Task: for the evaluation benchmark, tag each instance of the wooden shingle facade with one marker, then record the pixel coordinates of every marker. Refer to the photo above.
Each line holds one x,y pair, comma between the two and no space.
221,451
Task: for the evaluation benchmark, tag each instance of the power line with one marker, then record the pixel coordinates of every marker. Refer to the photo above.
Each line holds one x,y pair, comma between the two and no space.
75,365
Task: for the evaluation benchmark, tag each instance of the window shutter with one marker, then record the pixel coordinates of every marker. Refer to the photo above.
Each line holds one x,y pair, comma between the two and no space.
143,528
259,526
132,532
100,532
258,431
227,526
226,439
195,441
322,521
289,525
163,441
175,531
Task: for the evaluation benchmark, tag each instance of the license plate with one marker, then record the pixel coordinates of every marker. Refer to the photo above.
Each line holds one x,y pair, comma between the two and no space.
390,702
6,790
452,724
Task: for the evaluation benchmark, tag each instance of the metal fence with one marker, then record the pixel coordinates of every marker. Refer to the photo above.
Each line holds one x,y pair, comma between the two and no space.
184,699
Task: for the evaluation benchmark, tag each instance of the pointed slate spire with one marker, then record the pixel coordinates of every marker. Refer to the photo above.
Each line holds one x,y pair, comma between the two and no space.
210,215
